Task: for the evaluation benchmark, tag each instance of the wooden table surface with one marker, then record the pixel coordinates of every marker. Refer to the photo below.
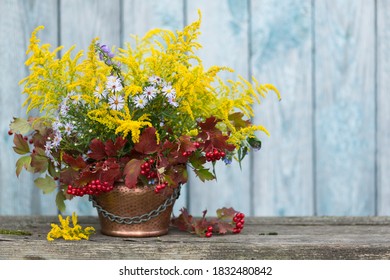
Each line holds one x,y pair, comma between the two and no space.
303,238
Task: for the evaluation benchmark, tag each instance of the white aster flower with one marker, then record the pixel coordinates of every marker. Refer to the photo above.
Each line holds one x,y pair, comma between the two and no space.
116,102
68,128
140,101
150,92
56,125
114,84
57,140
100,94
169,91
48,147
64,109
173,102
155,80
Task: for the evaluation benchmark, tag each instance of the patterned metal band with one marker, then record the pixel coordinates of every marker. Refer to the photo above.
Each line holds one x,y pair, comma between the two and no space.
137,219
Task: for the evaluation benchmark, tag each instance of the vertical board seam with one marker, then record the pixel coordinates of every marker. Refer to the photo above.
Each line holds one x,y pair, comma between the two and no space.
313,91
376,171
121,24
59,54
251,155
188,184
59,27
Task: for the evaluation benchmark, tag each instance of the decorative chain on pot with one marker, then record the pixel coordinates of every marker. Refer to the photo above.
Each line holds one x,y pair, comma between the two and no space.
141,218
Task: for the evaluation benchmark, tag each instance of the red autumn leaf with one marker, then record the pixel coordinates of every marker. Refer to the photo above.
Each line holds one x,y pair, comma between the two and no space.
76,163
176,174
209,124
68,176
85,177
39,161
185,144
110,171
184,221
147,142
223,227
97,148
21,146
39,140
213,137
132,171
112,148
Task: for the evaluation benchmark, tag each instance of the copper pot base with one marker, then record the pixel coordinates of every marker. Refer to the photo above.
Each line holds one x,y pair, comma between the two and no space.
123,202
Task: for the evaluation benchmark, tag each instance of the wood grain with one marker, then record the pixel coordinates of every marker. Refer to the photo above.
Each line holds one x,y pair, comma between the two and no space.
345,107
225,42
18,19
303,238
383,106
282,55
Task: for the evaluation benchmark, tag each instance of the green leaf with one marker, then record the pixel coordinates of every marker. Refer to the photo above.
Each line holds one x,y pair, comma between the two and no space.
204,174
226,213
53,171
47,184
237,121
25,162
21,146
60,198
254,143
19,125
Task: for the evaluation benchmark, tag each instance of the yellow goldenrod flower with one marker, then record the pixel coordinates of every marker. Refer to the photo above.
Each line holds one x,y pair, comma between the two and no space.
67,232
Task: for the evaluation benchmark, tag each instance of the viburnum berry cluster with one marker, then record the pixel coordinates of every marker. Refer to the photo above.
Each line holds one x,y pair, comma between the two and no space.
95,187
160,187
215,155
239,221
209,232
147,169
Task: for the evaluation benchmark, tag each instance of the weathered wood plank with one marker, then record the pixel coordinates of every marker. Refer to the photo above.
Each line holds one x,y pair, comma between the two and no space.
225,42
281,54
297,238
17,20
141,16
383,106
345,107
81,22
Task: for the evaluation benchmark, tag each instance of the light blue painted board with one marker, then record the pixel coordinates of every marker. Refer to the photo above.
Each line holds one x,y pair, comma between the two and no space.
81,22
141,16
282,55
345,107
225,42
383,105
19,196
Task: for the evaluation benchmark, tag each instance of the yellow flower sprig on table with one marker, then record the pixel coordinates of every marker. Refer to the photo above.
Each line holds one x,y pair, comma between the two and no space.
65,231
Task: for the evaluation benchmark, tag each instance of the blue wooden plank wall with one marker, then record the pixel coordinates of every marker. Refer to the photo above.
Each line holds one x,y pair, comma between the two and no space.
328,153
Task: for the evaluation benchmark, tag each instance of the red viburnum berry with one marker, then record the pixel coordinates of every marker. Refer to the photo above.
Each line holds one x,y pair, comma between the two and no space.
209,234
10,132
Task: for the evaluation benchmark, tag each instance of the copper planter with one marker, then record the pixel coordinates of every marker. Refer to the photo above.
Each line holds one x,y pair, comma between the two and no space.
138,212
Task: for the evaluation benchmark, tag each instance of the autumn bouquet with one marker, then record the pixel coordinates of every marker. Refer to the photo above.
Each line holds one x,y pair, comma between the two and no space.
147,114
